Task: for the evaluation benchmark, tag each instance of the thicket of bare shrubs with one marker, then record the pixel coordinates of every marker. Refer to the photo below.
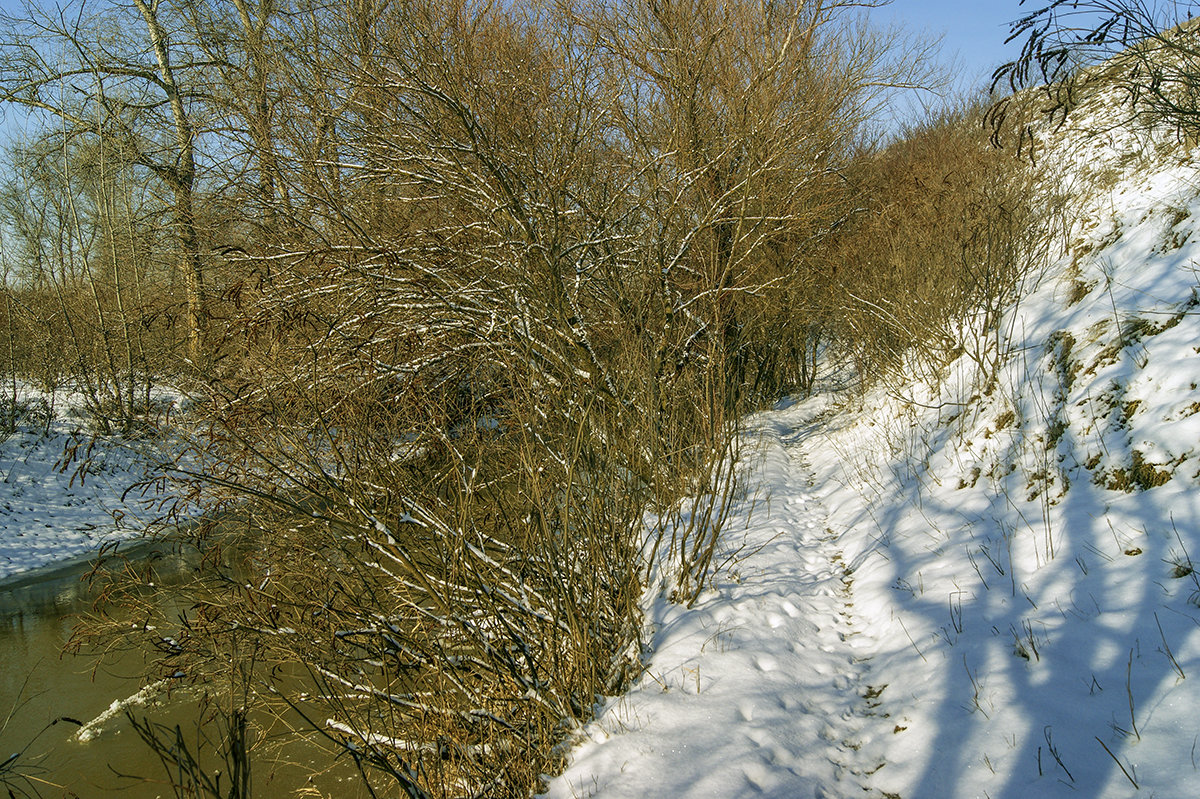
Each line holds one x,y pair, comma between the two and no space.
479,290
950,227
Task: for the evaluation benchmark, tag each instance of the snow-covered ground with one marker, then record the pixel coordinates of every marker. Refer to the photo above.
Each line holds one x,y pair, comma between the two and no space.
54,507
963,587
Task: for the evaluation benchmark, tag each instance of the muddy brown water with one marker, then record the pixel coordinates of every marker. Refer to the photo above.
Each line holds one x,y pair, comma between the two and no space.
42,683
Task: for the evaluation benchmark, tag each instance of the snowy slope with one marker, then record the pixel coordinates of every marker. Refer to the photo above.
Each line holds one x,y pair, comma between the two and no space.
977,587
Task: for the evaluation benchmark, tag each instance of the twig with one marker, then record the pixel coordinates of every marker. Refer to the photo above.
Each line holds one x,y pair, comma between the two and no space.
1167,647
910,638
1054,753
1129,693
1186,556
1119,764
975,696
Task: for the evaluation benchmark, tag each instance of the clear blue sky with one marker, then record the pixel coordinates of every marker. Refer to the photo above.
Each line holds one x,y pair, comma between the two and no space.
973,31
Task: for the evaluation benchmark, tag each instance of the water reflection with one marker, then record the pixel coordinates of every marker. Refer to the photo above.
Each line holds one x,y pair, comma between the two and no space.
46,692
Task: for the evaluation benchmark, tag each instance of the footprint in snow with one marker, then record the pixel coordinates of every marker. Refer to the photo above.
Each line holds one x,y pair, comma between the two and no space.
765,663
820,669
761,778
791,703
761,737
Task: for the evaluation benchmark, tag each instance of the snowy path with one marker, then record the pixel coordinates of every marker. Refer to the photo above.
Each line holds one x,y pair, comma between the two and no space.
764,687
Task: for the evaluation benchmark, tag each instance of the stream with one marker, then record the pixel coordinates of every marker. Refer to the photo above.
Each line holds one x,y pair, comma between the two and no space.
40,683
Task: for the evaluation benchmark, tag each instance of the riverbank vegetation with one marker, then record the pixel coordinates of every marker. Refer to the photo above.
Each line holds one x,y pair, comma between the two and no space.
467,302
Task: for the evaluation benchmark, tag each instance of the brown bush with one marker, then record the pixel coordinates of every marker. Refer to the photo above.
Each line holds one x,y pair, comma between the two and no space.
529,270
949,227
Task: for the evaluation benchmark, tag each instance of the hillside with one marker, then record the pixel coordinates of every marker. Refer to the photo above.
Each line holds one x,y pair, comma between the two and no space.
974,583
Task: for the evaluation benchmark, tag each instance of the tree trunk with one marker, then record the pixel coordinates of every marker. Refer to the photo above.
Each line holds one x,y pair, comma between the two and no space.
182,177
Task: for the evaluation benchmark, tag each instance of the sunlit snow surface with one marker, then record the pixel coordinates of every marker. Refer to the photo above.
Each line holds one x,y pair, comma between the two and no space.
55,508
956,589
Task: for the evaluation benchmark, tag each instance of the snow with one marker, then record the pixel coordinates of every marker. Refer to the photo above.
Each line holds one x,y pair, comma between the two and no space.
964,586
119,707
51,509
757,686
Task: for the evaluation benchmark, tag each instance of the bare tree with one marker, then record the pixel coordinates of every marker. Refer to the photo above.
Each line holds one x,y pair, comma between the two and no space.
92,80
243,42
747,139
81,254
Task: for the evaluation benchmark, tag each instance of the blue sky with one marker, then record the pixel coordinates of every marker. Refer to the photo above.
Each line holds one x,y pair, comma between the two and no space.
973,31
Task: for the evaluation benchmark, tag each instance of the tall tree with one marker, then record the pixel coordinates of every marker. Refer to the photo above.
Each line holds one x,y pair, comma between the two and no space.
117,74
242,41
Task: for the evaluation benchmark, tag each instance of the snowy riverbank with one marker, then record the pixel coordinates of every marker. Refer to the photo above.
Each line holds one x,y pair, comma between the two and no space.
55,508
